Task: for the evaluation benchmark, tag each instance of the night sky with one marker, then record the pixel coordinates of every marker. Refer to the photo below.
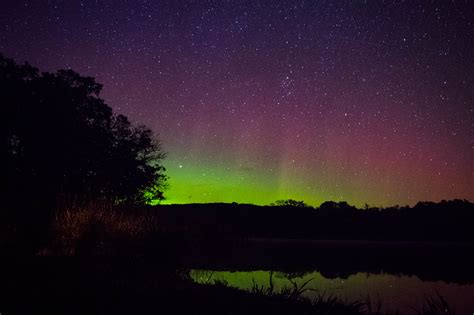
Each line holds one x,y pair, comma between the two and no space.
255,101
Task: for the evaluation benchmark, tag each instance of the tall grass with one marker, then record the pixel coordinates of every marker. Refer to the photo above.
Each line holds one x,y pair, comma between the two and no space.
320,304
99,228
293,292
435,305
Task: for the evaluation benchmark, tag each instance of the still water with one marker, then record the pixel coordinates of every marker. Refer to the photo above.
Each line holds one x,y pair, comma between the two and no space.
397,292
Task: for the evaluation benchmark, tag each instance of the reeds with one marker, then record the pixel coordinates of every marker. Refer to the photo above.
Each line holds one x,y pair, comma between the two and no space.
95,227
319,304
435,305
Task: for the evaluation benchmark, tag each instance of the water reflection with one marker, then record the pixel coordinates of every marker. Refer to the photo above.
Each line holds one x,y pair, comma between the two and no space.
397,292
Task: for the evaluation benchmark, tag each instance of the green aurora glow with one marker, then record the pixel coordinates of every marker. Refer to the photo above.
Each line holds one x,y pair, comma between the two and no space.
193,183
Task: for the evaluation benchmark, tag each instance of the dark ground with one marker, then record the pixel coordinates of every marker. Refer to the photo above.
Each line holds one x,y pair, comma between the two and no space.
100,259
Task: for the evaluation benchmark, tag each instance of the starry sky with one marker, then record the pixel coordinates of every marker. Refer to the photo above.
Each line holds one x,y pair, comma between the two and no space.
255,101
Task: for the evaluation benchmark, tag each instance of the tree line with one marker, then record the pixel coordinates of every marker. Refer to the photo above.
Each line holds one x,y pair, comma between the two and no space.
426,221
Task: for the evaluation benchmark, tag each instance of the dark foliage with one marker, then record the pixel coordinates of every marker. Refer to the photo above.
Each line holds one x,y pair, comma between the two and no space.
58,137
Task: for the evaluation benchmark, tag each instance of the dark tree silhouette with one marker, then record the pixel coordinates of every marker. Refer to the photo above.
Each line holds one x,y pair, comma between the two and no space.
57,136
337,207
290,203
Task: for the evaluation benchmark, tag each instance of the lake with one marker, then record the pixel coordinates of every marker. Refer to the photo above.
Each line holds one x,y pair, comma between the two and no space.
400,274
397,292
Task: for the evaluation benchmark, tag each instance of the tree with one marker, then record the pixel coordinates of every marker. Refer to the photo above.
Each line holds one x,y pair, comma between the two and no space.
59,137
340,208
290,203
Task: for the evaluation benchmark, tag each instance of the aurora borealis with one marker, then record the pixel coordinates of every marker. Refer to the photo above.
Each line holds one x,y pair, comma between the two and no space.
254,101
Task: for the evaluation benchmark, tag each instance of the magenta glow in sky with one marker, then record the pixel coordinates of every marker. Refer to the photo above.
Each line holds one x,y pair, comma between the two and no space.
263,100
